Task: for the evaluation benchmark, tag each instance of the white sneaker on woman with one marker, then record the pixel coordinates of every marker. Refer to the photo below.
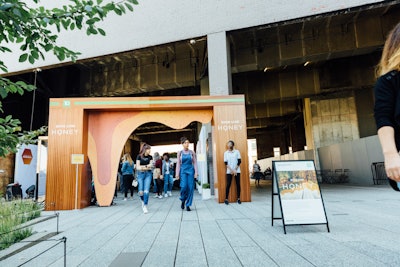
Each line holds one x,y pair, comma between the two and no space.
159,196
166,195
145,209
169,194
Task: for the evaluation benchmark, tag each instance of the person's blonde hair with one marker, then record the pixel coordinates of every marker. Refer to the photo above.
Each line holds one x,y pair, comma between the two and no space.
127,157
390,59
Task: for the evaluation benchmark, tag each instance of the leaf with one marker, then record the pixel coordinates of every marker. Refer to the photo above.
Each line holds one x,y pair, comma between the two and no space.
48,47
31,59
130,7
102,32
35,54
3,92
23,57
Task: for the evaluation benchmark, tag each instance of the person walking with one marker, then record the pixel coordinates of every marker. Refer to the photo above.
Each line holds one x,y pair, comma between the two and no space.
167,172
186,171
256,172
232,161
387,106
157,178
144,162
127,174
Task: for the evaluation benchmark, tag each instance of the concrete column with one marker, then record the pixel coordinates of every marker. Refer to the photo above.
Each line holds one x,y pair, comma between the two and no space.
308,127
219,64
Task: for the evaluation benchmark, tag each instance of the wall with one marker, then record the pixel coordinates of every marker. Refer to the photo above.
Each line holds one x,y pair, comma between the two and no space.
157,21
357,155
334,121
300,155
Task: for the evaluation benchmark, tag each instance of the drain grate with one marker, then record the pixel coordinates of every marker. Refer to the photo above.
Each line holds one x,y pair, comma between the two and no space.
129,259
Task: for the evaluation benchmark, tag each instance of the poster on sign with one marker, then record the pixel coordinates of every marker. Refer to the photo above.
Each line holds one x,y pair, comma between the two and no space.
299,193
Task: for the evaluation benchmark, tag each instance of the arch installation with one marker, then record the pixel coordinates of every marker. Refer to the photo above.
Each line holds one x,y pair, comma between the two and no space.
98,128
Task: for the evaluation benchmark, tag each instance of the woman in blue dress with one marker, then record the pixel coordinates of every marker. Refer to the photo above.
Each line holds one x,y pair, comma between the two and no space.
186,171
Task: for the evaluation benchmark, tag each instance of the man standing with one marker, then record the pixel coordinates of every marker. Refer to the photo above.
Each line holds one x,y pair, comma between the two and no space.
232,161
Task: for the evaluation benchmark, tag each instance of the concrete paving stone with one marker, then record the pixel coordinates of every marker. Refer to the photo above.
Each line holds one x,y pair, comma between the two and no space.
363,222
253,256
272,245
162,252
190,250
215,245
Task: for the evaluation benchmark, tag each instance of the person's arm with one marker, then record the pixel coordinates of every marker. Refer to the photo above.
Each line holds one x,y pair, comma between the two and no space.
178,165
390,153
194,160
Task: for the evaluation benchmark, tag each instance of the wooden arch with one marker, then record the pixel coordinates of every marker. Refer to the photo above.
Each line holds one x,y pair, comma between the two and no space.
99,127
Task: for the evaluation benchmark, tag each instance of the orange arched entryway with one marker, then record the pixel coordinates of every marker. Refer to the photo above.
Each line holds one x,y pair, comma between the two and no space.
99,127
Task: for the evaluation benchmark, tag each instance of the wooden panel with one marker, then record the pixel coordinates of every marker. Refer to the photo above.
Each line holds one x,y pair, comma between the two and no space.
99,127
65,138
229,123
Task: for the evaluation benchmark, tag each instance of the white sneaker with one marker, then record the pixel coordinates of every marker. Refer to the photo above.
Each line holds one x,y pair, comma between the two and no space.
155,196
160,196
145,209
169,194
125,199
166,195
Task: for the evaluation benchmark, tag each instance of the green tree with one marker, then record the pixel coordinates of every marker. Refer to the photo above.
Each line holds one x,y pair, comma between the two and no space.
36,29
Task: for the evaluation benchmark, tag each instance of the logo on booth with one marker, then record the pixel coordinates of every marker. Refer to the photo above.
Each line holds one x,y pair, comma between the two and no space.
27,156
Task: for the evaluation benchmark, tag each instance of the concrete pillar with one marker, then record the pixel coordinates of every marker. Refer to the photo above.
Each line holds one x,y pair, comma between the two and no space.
308,124
219,64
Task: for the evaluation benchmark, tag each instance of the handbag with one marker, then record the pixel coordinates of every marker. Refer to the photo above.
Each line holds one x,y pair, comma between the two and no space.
134,183
156,173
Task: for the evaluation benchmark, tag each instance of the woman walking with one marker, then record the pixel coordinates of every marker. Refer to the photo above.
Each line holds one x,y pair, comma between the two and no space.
167,173
144,163
157,178
127,174
387,106
186,171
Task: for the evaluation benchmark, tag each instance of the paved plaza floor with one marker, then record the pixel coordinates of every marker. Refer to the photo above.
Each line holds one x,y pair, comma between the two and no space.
364,224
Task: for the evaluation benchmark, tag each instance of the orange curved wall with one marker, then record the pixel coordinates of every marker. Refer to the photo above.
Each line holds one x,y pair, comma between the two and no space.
99,127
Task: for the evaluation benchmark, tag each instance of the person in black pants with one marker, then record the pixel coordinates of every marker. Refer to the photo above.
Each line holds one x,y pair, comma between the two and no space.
232,161
127,174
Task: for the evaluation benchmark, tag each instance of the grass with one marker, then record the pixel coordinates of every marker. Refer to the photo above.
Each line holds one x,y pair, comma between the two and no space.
12,215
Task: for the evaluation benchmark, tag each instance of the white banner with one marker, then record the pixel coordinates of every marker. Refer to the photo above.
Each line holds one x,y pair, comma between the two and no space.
299,192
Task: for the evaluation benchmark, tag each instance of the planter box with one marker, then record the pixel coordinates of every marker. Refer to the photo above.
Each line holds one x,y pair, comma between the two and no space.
206,194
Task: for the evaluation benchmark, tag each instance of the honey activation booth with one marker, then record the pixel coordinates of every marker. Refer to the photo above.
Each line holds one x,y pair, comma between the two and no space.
97,129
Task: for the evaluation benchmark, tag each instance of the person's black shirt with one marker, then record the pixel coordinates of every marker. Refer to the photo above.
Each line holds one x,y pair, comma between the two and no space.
145,160
387,103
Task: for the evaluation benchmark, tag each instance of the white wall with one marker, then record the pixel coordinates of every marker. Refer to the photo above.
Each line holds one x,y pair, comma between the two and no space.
357,155
156,22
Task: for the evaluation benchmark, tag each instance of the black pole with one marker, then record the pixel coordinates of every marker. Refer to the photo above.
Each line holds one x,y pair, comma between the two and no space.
37,187
65,251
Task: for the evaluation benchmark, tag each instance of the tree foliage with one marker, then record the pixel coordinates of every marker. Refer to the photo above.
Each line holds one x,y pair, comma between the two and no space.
36,30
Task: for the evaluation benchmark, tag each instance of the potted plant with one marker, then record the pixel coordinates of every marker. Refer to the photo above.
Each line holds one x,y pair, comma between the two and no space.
206,191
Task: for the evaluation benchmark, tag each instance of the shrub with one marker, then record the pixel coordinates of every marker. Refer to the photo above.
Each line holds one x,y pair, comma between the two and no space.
205,185
12,215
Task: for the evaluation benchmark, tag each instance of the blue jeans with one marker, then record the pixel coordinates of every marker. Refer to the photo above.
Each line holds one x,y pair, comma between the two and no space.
168,183
144,181
187,187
